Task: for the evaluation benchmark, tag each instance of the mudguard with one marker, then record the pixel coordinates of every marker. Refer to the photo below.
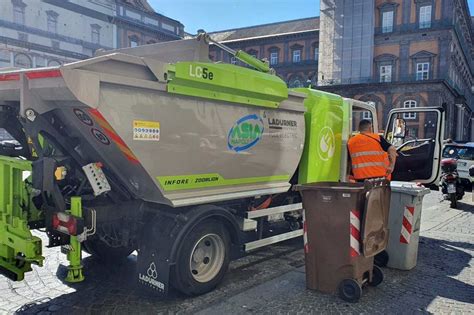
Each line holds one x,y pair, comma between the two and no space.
161,239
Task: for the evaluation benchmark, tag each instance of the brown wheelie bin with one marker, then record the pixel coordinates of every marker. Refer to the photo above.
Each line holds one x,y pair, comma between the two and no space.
345,227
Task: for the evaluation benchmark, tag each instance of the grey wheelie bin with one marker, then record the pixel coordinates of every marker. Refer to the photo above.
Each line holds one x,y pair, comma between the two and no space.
404,225
345,226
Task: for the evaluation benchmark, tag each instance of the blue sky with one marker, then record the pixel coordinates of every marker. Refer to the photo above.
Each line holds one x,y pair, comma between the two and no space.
216,15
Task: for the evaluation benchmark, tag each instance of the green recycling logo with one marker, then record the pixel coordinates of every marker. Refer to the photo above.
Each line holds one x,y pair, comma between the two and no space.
327,144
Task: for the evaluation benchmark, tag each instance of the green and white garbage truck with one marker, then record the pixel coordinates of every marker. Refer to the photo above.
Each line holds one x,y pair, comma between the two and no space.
157,149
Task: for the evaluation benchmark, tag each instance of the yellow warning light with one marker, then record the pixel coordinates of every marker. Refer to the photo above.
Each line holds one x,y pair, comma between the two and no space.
60,173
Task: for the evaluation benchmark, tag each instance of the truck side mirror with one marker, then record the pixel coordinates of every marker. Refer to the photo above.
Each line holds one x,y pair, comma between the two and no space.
399,128
471,171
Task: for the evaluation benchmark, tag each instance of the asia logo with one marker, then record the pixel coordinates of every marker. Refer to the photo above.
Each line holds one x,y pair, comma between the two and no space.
245,133
327,144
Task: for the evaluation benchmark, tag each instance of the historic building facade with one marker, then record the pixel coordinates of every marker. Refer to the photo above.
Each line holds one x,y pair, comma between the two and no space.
401,53
138,24
291,48
39,33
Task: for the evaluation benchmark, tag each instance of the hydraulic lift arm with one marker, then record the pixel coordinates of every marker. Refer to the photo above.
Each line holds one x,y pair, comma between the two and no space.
241,55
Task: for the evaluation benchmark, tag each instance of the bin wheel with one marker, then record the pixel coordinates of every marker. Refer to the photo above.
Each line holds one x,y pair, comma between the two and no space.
203,259
381,259
350,290
377,277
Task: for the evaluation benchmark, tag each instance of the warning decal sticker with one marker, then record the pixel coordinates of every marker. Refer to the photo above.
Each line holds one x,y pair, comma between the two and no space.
146,130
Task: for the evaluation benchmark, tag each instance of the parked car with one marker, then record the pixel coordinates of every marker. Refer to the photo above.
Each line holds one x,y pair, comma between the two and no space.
464,153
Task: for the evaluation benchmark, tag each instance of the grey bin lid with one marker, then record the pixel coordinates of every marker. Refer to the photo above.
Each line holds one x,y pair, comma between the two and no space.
409,188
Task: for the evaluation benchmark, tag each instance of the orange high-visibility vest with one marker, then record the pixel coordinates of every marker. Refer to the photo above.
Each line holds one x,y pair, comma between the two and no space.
368,158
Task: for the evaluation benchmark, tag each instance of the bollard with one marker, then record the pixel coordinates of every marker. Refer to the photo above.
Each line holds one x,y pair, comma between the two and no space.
74,255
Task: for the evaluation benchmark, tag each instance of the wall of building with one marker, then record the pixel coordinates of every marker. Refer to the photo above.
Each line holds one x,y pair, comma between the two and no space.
38,33
295,73
346,42
46,34
443,41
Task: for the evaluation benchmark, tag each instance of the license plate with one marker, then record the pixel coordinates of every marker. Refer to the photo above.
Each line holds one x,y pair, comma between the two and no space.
451,188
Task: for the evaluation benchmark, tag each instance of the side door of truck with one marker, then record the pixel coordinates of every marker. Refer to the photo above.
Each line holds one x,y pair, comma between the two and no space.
418,135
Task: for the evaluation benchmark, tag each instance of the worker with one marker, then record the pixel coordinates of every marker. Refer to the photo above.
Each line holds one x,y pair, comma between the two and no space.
371,155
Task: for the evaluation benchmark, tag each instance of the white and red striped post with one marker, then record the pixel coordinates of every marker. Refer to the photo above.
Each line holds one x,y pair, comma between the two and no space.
355,233
305,234
407,225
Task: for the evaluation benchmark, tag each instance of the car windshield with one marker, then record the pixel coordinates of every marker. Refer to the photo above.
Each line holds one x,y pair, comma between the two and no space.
466,154
459,152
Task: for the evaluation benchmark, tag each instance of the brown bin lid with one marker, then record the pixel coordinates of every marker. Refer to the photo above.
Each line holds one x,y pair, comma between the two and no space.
334,186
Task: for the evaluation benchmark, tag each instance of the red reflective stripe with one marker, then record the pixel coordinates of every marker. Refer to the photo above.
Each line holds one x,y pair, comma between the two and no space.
356,213
354,253
43,74
407,225
10,77
403,240
114,136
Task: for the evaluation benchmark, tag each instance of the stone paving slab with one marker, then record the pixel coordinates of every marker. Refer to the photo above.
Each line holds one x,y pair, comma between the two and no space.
271,280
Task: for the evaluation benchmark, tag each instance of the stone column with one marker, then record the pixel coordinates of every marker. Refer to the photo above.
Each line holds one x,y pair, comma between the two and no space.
459,122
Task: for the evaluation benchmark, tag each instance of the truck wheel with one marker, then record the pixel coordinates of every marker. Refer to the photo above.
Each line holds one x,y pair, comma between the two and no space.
103,252
203,259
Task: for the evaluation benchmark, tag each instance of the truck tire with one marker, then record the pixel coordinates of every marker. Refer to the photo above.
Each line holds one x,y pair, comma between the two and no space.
203,259
103,252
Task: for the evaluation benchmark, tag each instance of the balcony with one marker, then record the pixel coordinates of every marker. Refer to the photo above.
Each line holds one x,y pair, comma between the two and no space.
288,64
407,79
413,27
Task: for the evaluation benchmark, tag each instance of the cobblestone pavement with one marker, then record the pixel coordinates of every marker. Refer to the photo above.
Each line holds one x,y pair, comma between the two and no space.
269,281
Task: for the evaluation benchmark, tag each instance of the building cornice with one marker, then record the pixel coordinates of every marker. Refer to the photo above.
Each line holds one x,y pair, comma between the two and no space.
43,48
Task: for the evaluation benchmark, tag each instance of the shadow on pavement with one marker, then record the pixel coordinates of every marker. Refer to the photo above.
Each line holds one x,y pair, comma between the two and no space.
114,289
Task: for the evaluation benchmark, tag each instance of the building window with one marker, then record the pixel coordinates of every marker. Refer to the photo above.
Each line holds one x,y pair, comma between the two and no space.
296,55
422,71
274,58
316,53
22,61
425,16
409,104
386,73
95,34
134,41
53,63
387,22
52,21
233,60
296,82
367,115
19,14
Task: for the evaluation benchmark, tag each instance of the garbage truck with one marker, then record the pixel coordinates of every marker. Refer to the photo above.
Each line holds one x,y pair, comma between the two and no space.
158,150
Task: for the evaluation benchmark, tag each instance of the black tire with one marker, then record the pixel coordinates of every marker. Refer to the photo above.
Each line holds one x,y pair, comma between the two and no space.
350,290
381,259
185,278
454,201
377,277
101,251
